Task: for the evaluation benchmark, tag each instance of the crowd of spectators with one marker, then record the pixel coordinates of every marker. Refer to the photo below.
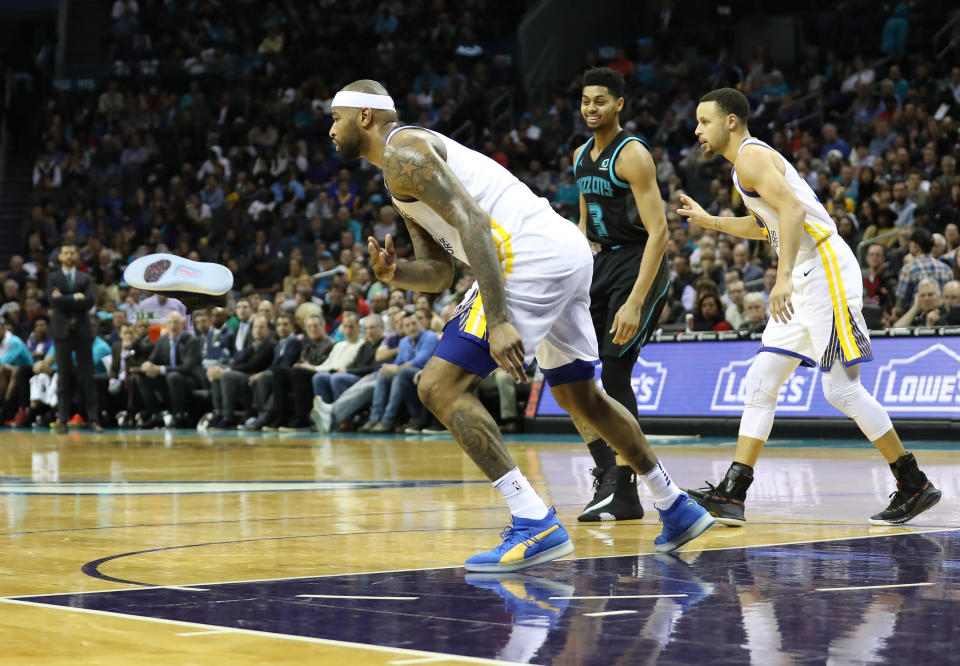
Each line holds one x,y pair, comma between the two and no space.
209,140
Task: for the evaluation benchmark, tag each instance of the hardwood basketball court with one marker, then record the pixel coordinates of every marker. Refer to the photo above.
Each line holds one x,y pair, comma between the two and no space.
174,547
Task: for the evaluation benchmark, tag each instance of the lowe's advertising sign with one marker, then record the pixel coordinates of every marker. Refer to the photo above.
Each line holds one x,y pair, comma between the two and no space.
911,377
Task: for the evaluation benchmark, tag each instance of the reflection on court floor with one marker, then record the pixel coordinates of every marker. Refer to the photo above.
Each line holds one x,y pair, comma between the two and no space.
182,548
886,599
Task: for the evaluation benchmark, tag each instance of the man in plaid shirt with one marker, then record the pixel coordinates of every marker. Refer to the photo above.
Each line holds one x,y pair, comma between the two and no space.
922,266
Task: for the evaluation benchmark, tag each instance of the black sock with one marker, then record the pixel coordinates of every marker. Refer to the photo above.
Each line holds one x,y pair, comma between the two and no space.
602,454
626,477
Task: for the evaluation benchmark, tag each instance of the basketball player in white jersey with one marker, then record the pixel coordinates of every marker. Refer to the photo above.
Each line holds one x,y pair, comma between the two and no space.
532,297
815,313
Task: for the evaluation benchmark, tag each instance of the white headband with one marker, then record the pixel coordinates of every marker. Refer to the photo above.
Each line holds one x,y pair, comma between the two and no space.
362,100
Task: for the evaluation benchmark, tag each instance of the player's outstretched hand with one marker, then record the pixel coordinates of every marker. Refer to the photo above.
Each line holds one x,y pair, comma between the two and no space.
383,260
506,348
694,211
625,323
781,307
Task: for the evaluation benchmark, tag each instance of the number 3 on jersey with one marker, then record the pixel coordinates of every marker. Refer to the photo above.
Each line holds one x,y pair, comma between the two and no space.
596,215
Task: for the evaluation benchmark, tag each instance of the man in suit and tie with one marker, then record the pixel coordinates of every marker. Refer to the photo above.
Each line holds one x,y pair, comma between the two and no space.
173,370
215,342
285,354
70,293
230,385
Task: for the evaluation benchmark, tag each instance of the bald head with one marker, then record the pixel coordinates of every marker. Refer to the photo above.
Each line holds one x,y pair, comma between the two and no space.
174,324
366,86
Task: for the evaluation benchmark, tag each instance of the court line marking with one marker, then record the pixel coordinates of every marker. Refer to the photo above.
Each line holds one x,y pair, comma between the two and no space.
386,571
869,587
347,596
605,613
205,633
268,634
628,596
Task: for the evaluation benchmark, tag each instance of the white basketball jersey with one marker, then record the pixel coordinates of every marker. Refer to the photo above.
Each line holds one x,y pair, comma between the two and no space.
817,224
520,231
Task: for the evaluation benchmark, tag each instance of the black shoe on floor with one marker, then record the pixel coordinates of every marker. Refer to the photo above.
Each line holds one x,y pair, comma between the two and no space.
906,506
914,494
725,500
615,497
726,510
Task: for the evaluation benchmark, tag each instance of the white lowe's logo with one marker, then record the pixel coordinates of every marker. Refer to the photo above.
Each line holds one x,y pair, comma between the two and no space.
928,381
730,391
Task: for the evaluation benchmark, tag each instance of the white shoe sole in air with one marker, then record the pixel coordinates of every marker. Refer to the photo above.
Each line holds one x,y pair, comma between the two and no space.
168,272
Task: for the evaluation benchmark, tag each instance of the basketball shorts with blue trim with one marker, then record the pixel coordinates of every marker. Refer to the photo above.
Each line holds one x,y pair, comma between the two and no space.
549,307
827,324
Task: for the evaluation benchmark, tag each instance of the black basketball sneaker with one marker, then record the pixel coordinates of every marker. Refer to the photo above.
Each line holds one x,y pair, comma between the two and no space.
725,501
914,494
615,496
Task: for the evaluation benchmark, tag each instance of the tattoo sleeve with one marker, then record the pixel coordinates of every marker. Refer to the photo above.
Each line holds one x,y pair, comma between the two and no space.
414,167
588,433
481,440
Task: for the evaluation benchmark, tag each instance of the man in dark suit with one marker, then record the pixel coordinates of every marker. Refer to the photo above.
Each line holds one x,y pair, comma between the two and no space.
285,354
216,341
70,293
171,373
118,389
230,385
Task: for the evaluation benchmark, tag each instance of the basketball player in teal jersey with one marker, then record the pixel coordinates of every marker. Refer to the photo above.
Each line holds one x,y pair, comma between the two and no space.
621,211
815,315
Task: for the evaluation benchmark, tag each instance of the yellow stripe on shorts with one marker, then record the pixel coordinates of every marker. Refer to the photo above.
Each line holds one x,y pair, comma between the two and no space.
476,323
841,314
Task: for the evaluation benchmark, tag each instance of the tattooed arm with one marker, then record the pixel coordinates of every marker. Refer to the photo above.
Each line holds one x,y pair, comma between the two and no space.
414,166
431,271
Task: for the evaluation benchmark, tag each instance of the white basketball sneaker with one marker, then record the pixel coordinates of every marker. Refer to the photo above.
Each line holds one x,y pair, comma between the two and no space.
197,284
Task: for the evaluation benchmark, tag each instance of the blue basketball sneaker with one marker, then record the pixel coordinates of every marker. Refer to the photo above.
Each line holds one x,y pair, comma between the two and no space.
525,543
679,578
533,601
684,521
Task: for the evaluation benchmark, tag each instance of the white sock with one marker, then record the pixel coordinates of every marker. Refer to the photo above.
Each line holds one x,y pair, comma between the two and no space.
523,500
664,491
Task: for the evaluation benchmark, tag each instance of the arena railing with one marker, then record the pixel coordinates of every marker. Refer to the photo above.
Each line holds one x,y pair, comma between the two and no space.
950,29
879,238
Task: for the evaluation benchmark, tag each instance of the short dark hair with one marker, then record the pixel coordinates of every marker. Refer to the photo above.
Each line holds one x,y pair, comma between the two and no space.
606,77
923,238
730,101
